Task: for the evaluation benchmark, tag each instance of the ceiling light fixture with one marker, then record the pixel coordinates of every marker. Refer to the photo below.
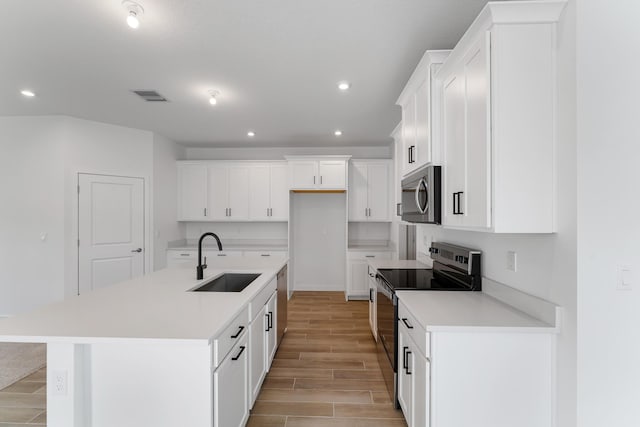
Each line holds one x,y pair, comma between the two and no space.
135,11
213,97
251,134
344,86
28,93
338,133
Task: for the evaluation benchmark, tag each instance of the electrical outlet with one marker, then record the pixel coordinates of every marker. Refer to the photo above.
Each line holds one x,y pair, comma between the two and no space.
59,385
512,261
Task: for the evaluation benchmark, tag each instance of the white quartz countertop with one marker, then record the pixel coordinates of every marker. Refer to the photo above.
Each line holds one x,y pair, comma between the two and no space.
398,263
153,307
447,311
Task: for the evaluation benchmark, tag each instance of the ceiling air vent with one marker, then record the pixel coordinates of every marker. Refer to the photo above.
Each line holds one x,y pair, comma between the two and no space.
150,95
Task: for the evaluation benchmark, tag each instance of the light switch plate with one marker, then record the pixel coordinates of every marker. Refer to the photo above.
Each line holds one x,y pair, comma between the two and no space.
625,278
512,261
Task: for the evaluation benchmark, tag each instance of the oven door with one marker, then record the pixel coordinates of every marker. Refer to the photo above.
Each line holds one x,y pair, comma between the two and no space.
387,314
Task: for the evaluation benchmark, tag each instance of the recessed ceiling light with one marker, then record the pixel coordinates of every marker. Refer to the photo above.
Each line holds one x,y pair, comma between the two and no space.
28,93
213,97
251,134
344,85
338,133
135,11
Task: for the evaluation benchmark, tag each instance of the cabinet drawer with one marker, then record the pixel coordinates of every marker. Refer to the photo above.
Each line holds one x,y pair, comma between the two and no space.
368,255
230,336
408,323
262,298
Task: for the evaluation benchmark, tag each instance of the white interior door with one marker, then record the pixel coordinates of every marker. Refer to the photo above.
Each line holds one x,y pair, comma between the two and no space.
110,230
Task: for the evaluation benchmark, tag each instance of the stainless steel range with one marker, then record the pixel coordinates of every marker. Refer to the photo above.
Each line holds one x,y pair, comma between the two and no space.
455,268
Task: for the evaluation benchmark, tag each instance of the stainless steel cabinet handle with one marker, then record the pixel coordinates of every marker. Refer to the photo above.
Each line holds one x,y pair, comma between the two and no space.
229,211
314,180
185,254
320,179
222,254
137,250
205,211
369,256
265,254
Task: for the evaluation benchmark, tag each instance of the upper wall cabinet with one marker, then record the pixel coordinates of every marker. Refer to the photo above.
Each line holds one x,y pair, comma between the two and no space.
498,125
318,173
232,191
418,113
192,192
369,184
269,192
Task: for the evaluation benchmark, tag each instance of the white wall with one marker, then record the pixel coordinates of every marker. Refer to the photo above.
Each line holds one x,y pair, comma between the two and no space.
31,203
608,205
40,158
546,264
166,227
278,153
319,241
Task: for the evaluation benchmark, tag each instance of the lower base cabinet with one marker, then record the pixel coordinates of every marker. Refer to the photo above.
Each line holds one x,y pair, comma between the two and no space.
372,302
357,272
257,353
231,388
413,380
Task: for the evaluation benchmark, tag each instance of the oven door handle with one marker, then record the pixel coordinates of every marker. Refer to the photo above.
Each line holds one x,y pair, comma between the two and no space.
422,183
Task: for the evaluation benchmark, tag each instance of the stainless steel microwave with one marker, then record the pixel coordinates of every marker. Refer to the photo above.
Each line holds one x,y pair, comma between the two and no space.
421,200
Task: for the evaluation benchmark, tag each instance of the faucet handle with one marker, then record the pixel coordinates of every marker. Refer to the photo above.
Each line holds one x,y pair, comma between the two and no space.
204,263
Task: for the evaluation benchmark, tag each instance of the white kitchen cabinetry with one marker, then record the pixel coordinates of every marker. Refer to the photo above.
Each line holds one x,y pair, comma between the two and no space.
192,192
312,173
358,273
258,360
498,126
371,272
369,188
413,372
228,192
271,338
269,192
230,388
418,113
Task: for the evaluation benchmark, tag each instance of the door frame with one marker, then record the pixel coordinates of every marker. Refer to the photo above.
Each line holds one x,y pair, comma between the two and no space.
75,224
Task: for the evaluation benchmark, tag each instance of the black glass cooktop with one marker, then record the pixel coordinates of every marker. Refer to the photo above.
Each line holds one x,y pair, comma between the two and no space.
419,279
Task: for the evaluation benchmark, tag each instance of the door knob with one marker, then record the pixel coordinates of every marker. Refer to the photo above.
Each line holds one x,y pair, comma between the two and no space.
137,250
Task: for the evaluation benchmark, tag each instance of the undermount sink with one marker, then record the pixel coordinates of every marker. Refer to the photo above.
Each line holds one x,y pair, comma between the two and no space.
228,282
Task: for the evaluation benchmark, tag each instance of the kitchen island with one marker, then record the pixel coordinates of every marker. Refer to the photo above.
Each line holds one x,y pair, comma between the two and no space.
149,352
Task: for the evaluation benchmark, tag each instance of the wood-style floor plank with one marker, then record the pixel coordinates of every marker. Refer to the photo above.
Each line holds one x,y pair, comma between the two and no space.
326,372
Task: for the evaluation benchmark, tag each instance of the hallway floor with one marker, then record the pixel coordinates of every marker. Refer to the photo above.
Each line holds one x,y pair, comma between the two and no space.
24,403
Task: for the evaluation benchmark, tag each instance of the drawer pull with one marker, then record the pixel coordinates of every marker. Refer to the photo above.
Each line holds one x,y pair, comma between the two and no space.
406,367
185,254
265,254
270,320
267,320
238,333
369,256
222,254
239,353
404,320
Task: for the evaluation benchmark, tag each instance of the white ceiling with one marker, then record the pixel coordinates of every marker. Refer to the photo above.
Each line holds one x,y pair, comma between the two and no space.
276,64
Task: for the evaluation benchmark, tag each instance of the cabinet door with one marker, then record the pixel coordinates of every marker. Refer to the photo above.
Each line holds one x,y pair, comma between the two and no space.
272,338
259,192
332,174
192,192
372,307
231,388
279,193
454,147
405,389
378,191
358,192
239,192
218,193
409,134
358,284
423,138
421,396
258,353
475,201
303,174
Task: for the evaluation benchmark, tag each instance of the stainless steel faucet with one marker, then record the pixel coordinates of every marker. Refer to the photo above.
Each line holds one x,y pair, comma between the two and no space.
201,266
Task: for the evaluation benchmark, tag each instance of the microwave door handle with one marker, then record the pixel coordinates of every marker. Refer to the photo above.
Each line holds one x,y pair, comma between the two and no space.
420,184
